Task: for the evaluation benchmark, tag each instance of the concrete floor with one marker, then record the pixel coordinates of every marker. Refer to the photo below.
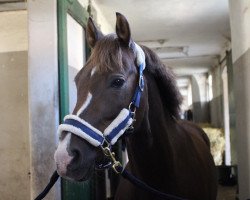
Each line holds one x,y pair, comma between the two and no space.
227,193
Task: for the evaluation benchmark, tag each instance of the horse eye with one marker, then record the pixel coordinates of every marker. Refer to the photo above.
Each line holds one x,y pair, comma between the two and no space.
117,83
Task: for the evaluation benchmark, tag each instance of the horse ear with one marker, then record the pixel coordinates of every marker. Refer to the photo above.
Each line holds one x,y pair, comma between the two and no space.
92,33
122,29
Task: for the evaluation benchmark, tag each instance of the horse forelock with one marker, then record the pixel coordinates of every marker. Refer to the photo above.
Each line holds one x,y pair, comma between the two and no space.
108,54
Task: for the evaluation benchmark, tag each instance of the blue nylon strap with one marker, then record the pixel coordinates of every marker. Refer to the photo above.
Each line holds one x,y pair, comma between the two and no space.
117,129
85,129
141,68
137,97
139,88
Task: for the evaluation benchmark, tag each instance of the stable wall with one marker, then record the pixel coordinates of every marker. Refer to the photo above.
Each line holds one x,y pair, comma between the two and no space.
199,97
240,32
232,115
43,94
216,109
14,124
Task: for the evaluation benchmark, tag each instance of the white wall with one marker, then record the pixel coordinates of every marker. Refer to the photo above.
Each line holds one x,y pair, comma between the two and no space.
240,31
99,18
43,93
105,26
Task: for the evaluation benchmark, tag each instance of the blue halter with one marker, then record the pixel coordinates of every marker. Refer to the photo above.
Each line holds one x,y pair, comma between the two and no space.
124,120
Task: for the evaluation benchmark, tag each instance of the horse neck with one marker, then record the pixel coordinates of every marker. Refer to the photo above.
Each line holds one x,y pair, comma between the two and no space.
149,149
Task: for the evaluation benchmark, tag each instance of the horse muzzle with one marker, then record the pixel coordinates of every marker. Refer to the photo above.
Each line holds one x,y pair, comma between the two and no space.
74,159
62,156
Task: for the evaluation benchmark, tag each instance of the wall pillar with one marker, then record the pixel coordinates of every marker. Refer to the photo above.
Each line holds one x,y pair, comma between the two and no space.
240,31
199,97
43,93
216,103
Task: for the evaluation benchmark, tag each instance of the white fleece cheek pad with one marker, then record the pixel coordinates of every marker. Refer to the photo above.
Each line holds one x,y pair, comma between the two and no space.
125,113
140,56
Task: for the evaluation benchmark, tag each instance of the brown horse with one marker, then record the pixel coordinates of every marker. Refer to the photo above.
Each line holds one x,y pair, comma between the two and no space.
167,153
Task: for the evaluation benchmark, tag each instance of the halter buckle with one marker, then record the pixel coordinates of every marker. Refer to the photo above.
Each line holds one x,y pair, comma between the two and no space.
105,145
132,109
116,167
141,82
116,164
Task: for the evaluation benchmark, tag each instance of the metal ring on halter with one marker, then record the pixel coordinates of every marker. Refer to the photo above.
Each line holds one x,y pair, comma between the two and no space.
141,82
105,145
132,109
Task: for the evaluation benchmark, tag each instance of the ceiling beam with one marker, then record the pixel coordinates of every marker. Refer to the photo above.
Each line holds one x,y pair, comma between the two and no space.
213,56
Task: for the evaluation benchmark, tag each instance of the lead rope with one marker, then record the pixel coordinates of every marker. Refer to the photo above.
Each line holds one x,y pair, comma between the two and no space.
142,185
51,183
125,174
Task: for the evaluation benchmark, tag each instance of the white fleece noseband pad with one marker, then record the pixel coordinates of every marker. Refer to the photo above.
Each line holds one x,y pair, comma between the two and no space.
83,129
115,130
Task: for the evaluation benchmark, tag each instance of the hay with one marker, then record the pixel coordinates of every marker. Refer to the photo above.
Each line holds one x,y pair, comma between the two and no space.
217,140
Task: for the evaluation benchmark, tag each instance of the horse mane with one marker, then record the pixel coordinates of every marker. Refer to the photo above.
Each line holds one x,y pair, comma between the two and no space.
165,80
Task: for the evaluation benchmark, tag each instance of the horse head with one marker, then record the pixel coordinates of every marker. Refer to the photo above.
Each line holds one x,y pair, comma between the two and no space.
105,86
170,154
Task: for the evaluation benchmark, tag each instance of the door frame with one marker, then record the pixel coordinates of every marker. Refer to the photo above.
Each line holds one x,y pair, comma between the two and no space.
69,190
75,9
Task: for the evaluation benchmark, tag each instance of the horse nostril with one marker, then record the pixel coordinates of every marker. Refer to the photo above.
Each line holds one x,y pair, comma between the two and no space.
76,155
76,161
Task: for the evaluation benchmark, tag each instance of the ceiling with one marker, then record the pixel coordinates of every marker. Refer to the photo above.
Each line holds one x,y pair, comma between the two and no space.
189,35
